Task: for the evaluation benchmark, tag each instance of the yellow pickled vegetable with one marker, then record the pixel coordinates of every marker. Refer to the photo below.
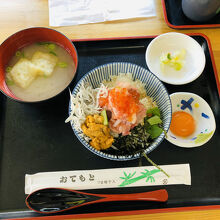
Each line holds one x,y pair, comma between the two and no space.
175,60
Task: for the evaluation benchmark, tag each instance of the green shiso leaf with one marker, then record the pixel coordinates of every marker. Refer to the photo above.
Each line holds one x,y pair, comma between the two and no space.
154,120
154,131
153,111
146,124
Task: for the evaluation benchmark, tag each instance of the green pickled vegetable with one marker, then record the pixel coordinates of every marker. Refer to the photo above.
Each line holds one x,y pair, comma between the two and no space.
177,66
176,60
169,56
104,115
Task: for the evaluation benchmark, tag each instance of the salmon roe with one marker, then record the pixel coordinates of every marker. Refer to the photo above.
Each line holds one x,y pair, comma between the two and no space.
125,101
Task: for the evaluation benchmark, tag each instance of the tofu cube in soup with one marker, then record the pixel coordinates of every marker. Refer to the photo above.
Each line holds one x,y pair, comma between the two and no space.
45,61
24,72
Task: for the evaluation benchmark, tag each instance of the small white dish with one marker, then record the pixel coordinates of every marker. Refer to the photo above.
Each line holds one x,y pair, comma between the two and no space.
199,109
194,61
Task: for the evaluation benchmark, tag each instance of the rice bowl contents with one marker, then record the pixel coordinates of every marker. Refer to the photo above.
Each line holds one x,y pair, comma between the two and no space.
133,118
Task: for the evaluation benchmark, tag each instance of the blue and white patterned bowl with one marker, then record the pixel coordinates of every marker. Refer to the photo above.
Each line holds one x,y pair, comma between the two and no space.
154,88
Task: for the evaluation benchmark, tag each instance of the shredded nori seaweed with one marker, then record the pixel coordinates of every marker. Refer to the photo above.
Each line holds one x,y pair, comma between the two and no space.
131,144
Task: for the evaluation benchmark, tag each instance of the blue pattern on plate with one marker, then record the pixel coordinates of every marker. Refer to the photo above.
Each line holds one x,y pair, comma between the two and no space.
154,88
187,104
205,116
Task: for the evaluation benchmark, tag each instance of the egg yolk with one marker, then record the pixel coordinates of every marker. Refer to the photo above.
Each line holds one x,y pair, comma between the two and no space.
182,124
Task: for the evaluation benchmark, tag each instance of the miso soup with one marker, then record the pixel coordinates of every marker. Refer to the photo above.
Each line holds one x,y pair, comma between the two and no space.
51,68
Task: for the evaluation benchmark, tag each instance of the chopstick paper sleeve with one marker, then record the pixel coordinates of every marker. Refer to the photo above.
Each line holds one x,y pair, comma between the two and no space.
109,178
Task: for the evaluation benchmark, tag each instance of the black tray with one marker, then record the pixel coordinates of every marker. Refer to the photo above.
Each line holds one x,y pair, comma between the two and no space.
176,19
34,138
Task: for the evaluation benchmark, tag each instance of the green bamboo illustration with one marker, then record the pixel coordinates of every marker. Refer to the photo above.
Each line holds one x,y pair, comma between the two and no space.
129,180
